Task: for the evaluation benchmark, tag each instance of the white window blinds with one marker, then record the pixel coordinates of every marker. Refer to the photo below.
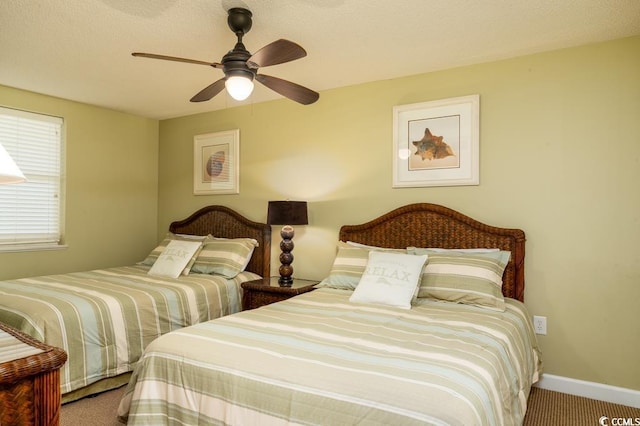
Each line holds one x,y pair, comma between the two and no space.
30,212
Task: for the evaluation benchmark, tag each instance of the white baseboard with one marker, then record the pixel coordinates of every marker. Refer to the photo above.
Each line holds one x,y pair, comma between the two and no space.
616,395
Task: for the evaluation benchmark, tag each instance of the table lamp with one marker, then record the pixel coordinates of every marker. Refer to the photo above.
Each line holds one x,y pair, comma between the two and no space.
287,213
9,171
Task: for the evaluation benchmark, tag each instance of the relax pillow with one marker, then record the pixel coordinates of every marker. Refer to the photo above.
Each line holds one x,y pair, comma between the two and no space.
348,266
174,258
226,257
155,253
469,278
390,279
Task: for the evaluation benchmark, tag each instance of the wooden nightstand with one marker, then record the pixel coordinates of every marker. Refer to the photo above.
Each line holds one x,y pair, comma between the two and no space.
265,291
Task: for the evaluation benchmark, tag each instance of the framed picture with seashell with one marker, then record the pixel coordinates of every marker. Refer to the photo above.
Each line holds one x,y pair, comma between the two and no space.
436,143
216,162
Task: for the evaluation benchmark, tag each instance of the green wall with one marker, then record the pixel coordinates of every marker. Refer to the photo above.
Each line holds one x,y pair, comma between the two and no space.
111,188
559,158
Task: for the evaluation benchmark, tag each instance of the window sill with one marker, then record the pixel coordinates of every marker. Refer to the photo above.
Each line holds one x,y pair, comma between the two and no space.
15,248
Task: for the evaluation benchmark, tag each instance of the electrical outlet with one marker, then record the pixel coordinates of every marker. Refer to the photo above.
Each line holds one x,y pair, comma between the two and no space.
540,325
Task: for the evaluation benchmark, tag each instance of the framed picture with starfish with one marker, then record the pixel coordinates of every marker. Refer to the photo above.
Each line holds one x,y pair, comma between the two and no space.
437,143
216,162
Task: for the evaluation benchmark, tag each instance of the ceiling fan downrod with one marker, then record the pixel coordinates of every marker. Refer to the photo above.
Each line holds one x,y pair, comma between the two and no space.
239,21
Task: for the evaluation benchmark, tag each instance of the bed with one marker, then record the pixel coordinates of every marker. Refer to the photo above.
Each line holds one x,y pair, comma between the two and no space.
325,357
103,319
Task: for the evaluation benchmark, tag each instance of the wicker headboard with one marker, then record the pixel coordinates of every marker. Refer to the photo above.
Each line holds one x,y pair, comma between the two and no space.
223,222
432,225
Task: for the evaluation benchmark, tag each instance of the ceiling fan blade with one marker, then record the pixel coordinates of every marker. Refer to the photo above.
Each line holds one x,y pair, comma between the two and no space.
290,90
209,92
176,59
278,52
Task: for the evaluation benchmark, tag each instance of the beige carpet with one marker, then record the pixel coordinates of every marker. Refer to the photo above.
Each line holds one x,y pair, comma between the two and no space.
99,410
550,408
546,408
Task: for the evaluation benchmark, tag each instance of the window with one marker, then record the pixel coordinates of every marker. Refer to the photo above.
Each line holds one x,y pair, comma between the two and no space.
30,212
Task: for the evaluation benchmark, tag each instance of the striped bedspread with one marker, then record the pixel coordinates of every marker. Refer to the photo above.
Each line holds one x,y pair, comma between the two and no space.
318,359
105,318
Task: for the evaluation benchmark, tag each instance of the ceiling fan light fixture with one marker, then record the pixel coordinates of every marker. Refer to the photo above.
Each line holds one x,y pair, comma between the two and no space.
240,66
239,87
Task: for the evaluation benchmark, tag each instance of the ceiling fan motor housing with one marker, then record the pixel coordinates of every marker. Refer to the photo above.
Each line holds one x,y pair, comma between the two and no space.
239,21
235,61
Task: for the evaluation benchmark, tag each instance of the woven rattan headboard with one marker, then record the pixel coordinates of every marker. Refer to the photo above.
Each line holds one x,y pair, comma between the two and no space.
223,222
432,225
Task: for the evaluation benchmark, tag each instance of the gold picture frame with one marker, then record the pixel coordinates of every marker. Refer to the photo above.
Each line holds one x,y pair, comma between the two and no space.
437,143
216,163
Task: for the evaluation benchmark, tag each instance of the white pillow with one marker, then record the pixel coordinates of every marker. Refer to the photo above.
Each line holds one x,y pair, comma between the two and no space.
153,256
390,279
365,246
174,258
458,250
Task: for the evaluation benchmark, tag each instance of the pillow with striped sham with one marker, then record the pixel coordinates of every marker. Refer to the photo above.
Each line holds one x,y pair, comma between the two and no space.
226,257
349,265
468,278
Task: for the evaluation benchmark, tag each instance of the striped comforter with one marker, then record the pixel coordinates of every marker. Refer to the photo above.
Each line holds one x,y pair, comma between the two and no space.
105,318
318,359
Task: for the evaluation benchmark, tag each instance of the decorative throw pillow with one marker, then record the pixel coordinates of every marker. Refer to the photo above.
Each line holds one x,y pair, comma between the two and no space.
390,279
174,258
226,257
469,278
349,265
155,253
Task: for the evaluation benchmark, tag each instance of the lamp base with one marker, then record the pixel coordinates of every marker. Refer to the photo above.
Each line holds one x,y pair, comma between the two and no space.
285,281
286,257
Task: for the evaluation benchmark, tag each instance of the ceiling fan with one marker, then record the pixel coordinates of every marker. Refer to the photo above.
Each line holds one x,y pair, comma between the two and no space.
241,67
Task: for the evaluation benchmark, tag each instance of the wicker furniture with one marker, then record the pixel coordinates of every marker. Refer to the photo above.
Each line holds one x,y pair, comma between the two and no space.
29,385
218,221
221,221
263,292
432,225
326,360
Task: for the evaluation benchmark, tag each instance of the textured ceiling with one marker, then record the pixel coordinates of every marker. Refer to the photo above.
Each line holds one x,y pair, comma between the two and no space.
81,49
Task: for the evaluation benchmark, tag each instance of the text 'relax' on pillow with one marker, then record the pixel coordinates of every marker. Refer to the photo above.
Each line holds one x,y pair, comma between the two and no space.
155,253
226,257
469,278
349,265
390,279
174,258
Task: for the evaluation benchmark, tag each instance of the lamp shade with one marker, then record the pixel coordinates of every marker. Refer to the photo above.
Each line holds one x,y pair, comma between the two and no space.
239,87
9,171
287,213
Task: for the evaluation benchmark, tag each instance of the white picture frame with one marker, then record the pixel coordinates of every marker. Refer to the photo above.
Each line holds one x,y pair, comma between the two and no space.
216,163
437,143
